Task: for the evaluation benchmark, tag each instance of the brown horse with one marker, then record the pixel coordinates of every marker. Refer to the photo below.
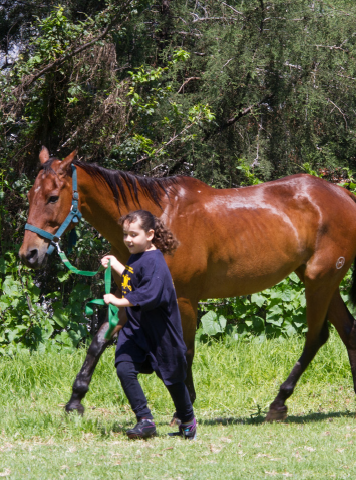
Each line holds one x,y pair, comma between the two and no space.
232,242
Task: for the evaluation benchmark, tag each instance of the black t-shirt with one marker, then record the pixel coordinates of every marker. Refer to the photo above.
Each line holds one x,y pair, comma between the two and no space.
153,334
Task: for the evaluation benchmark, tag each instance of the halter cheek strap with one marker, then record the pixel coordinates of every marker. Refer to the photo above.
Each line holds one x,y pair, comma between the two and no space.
73,217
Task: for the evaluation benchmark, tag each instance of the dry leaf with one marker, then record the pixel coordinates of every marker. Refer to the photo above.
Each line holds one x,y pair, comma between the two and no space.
226,439
326,433
340,450
310,449
271,473
215,449
5,473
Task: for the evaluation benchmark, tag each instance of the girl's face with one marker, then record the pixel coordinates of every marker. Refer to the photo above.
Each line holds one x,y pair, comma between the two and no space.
136,239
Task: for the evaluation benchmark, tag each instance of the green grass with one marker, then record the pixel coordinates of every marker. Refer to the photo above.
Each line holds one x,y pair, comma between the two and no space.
234,384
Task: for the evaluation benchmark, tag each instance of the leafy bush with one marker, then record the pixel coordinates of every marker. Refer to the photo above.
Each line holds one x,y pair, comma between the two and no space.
31,321
277,312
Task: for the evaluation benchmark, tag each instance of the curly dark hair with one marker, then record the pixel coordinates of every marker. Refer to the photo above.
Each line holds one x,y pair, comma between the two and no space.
163,238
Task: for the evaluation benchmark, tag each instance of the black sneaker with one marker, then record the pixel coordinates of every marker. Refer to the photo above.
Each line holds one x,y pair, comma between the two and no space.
145,428
189,431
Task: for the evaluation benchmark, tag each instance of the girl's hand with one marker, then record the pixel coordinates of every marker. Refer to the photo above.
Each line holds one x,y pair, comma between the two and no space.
118,302
105,260
115,264
109,298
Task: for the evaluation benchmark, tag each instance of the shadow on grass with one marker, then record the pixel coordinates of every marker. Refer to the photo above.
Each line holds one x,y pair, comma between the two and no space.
291,419
106,428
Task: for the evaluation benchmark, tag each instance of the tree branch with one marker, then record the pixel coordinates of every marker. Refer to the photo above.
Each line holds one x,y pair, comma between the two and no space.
233,9
342,113
187,81
71,54
237,117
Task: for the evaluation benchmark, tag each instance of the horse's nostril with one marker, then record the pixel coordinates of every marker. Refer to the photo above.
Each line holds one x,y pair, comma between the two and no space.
32,256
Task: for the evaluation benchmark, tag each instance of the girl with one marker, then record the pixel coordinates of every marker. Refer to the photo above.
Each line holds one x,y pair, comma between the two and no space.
152,338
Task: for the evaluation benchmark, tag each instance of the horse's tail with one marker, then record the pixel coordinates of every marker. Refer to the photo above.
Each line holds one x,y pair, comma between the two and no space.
352,292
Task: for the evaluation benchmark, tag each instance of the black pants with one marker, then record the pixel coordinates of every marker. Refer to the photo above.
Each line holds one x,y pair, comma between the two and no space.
127,373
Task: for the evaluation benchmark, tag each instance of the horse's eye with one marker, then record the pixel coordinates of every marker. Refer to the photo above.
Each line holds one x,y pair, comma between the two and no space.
53,199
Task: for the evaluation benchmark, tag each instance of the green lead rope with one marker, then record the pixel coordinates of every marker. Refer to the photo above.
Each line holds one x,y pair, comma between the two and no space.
82,272
112,310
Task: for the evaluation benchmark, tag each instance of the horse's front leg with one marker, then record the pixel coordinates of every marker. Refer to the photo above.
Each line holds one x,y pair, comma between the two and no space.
83,379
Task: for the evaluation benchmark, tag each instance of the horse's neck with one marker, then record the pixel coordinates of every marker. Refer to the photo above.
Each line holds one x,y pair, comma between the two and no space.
100,209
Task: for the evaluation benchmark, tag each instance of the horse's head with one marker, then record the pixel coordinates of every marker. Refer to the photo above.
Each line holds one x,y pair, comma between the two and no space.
50,202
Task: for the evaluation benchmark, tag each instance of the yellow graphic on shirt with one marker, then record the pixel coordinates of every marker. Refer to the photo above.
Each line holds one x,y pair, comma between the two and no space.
129,269
125,283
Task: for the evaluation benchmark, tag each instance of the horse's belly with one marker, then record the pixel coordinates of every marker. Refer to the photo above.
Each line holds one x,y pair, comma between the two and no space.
245,284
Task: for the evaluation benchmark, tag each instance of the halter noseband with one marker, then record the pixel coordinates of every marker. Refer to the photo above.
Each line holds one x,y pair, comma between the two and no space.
73,216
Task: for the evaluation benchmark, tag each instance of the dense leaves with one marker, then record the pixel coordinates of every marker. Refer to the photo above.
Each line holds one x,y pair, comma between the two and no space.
277,312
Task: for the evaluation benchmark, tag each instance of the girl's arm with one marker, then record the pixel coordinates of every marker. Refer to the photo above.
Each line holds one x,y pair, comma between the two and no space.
118,302
115,264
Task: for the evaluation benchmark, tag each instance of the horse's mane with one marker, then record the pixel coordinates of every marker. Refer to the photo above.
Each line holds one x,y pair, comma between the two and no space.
116,180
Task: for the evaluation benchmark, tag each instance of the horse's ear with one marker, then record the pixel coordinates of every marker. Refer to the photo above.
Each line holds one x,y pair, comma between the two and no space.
44,155
65,164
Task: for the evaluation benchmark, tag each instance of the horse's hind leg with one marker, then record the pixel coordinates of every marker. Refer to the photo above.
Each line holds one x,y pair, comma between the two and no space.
188,309
317,305
345,324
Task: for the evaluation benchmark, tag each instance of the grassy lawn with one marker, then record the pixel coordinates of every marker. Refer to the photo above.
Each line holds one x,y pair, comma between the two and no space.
235,385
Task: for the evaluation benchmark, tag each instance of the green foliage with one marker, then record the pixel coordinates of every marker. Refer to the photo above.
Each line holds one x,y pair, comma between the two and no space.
57,34
250,176
277,312
153,109
29,321
307,169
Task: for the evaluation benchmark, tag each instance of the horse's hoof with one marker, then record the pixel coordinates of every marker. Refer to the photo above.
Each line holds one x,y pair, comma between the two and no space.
175,421
72,407
276,415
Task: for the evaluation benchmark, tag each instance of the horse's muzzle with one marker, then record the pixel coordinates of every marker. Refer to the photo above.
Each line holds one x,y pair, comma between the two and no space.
33,258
